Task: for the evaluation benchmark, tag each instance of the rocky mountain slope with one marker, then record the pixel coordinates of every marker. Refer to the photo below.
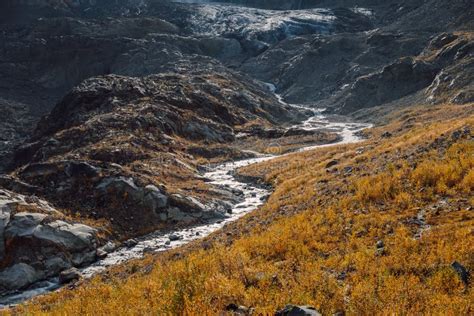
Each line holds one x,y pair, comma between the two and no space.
146,130
349,72
48,47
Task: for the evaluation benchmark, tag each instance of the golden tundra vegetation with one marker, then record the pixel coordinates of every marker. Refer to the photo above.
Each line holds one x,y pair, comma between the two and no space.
372,233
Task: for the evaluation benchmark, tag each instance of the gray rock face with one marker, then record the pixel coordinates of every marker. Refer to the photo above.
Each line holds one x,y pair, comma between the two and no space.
37,245
74,237
23,225
149,197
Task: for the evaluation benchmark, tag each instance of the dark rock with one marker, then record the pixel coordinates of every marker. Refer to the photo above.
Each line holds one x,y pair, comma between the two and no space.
463,273
4,220
332,163
292,310
442,39
380,244
148,249
101,254
174,237
387,135
407,74
238,309
16,185
69,275
36,170
231,307
121,186
84,169
131,243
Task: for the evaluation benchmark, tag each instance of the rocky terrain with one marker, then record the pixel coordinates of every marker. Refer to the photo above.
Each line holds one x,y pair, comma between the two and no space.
362,69
37,244
113,111
48,47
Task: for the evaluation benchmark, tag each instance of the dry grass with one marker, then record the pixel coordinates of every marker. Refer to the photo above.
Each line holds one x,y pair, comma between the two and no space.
314,242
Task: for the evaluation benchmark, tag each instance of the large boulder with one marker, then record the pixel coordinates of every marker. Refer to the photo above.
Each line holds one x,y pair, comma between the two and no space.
121,186
74,237
23,225
51,245
149,198
35,244
154,199
18,276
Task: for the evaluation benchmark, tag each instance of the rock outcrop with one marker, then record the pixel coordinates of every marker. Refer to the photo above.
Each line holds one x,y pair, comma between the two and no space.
36,242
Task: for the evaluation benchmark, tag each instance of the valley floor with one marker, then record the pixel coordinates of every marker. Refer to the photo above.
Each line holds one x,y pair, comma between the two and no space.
373,228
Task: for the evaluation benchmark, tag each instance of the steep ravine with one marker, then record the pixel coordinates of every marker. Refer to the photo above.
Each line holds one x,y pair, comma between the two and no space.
222,175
